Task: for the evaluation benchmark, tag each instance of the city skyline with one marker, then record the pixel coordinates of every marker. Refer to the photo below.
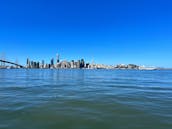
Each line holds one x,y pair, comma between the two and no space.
73,64
111,32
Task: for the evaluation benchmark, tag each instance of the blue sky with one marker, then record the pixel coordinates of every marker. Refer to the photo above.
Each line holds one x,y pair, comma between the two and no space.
106,31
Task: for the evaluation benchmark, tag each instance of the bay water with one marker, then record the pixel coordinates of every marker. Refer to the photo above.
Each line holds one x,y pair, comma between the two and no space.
85,99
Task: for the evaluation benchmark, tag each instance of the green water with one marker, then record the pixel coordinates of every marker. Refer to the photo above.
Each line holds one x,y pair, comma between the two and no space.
85,99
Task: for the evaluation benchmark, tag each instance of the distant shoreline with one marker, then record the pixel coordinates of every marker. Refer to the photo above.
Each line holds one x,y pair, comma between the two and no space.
86,69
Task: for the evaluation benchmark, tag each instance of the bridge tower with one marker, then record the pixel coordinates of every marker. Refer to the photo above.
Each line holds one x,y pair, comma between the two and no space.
16,61
1,62
2,58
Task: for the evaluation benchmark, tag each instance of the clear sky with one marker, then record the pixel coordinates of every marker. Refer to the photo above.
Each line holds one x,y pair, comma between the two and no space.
106,31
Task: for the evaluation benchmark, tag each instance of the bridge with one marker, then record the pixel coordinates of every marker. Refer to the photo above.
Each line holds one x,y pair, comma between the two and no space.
8,62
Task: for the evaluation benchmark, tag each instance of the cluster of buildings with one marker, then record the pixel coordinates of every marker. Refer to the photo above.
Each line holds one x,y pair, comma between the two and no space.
80,64
57,64
133,66
129,66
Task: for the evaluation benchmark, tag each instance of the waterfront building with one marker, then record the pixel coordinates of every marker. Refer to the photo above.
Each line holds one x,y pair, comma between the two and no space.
46,66
75,65
52,63
49,66
31,64
132,66
87,65
28,63
78,64
82,64
72,64
121,66
34,66
43,64
37,65
65,64
58,65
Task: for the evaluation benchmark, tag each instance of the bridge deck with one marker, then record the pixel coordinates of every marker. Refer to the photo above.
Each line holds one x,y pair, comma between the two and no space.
11,63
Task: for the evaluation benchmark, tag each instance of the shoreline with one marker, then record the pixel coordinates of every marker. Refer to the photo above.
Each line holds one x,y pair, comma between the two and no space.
87,69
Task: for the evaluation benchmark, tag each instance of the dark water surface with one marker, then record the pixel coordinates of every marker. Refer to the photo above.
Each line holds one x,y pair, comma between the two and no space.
85,99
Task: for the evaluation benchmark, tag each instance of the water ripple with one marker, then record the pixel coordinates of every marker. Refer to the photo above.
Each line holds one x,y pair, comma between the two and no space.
94,99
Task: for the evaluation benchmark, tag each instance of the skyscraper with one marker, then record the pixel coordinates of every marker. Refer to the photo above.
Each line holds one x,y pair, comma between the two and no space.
82,64
43,63
52,62
58,57
28,63
78,64
37,65
32,64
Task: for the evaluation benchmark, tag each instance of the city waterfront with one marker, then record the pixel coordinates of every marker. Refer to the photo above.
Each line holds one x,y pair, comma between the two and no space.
64,64
85,99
